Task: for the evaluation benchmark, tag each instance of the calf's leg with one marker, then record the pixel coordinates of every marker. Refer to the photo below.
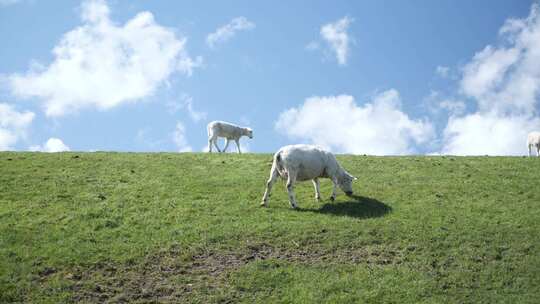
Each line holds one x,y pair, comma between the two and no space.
214,140
317,191
226,145
237,141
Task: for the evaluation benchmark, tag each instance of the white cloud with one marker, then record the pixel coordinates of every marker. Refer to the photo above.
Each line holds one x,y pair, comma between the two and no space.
442,71
454,107
438,103
186,102
483,76
229,30
338,123
52,145
179,138
504,83
488,134
335,34
101,64
506,78
196,116
147,142
13,125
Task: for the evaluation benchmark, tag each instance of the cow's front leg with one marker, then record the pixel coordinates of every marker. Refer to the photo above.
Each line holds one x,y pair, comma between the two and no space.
290,189
334,189
317,190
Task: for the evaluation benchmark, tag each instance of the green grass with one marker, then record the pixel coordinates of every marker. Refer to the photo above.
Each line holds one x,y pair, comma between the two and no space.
166,227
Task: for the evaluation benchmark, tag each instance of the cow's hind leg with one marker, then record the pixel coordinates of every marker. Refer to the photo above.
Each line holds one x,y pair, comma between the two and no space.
317,191
290,189
269,184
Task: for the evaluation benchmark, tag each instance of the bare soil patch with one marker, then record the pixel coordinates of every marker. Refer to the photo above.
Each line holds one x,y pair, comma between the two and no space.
170,276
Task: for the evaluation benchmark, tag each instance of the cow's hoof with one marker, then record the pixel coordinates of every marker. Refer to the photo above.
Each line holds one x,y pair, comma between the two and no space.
318,198
263,204
332,198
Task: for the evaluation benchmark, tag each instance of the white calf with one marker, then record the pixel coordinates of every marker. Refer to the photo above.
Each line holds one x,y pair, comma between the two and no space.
228,131
533,140
305,162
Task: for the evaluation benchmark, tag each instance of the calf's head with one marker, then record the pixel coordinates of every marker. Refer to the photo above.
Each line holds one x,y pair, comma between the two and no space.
345,182
249,132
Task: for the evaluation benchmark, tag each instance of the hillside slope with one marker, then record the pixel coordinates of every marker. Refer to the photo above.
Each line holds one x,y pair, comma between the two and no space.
168,227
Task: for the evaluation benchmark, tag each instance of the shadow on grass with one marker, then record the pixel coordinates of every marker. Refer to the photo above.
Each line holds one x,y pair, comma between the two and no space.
357,207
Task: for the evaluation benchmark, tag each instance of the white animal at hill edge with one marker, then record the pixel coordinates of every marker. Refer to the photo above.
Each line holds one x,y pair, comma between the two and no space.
533,140
306,162
228,131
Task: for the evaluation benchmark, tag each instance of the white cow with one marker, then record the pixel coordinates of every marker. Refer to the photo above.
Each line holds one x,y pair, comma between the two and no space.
228,131
306,162
533,140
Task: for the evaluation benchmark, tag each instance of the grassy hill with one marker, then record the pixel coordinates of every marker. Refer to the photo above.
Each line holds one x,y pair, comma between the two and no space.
167,227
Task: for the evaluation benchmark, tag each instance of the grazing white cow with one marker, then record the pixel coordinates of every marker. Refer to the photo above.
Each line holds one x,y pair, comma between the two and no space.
306,162
533,140
228,131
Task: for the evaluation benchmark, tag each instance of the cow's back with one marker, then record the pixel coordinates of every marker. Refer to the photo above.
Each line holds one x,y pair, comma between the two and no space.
307,161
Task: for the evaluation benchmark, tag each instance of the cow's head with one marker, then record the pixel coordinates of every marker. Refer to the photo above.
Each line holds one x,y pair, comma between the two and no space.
345,182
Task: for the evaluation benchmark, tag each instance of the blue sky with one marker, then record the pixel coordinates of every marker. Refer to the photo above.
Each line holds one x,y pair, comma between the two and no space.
362,77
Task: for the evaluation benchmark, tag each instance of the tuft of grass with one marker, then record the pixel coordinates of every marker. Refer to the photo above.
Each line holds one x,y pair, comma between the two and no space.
168,227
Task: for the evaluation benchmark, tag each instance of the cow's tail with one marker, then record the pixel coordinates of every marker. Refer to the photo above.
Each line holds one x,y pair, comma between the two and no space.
278,162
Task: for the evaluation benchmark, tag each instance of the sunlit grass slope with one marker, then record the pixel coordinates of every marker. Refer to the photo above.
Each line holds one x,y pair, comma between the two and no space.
167,227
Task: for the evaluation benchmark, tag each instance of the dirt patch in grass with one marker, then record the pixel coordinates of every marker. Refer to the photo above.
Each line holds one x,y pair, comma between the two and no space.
171,276
163,277
378,255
